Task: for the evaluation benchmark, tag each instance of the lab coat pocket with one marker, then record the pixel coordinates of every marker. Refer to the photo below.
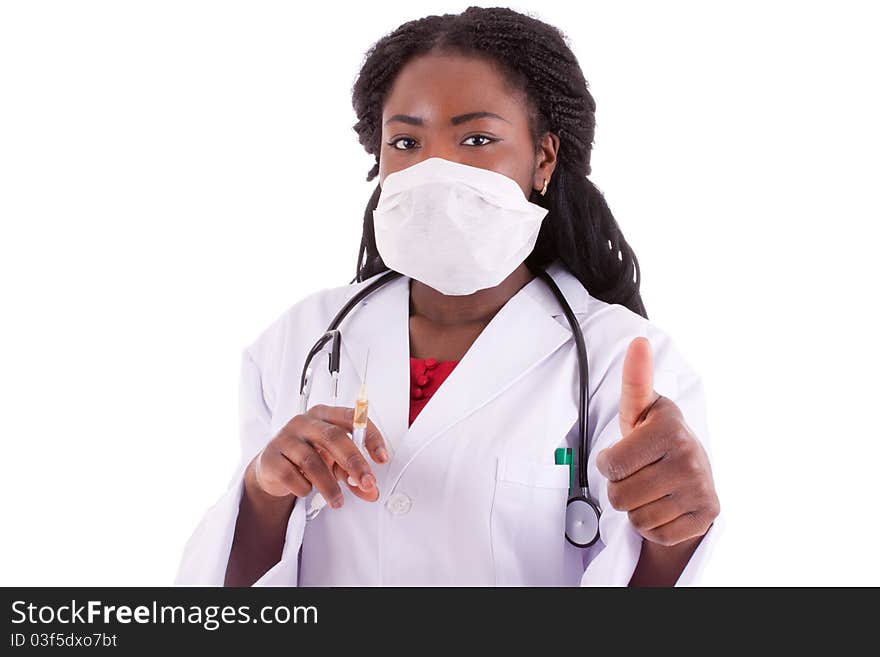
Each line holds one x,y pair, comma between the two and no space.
528,522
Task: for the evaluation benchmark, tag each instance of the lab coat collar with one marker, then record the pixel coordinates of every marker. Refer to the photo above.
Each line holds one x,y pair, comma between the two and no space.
525,331
571,287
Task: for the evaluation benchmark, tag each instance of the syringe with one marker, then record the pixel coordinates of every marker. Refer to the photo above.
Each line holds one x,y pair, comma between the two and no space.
359,425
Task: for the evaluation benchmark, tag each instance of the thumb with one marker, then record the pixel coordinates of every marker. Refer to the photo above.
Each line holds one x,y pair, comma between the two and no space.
637,387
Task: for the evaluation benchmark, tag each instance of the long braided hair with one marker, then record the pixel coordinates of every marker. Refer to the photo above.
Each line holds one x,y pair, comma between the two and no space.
534,57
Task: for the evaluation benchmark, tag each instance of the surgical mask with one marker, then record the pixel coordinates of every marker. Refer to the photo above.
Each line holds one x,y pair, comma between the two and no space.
454,227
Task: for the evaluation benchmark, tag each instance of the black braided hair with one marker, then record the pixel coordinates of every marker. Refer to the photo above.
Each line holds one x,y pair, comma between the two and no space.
534,58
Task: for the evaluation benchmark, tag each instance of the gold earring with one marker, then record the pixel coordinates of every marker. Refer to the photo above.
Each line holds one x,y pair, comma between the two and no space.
544,191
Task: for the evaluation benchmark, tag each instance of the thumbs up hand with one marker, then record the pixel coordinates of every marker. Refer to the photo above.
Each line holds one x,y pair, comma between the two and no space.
658,471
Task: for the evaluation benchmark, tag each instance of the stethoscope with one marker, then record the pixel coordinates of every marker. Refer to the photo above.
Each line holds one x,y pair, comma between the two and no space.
581,513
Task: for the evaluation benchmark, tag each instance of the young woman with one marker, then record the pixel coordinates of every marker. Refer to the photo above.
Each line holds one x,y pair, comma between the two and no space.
481,125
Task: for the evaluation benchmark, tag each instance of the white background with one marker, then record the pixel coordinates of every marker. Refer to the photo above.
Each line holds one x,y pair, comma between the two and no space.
174,175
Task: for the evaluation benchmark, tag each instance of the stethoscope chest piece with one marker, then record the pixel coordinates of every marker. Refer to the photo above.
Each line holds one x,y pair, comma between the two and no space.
581,522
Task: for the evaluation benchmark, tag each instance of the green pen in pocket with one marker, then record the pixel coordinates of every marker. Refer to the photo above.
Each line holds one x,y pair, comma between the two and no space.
563,456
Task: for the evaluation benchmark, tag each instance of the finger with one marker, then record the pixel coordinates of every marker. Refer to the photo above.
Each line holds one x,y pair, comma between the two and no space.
375,445
343,416
687,525
643,487
656,513
278,469
341,447
637,384
327,456
313,467
370,494
644,445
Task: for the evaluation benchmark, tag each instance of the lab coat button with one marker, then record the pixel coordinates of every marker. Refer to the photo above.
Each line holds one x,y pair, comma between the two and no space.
398,504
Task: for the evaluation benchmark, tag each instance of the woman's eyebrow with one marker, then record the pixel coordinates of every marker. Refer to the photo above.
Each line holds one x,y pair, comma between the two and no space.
455,120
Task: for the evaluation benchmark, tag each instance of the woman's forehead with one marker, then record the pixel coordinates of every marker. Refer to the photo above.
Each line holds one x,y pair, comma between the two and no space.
438,88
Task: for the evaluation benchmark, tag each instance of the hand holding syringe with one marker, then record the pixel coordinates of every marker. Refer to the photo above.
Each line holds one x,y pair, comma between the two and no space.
358,435
287,466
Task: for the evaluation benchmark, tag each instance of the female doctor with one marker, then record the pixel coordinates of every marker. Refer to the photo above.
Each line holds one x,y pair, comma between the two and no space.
481,125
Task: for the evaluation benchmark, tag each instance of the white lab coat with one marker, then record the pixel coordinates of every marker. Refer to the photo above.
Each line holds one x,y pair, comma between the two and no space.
471,495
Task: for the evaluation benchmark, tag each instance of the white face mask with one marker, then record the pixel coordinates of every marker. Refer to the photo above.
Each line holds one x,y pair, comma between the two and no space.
454,227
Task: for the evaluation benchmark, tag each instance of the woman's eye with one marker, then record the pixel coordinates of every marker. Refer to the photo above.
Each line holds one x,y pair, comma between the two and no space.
398,140
480,137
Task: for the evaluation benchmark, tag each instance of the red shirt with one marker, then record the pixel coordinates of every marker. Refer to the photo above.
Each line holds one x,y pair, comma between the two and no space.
425,376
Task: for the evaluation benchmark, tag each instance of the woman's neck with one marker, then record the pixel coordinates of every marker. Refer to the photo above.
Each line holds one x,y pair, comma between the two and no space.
477,308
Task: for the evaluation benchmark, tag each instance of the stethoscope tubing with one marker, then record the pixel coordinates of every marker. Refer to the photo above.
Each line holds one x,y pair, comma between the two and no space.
581,496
